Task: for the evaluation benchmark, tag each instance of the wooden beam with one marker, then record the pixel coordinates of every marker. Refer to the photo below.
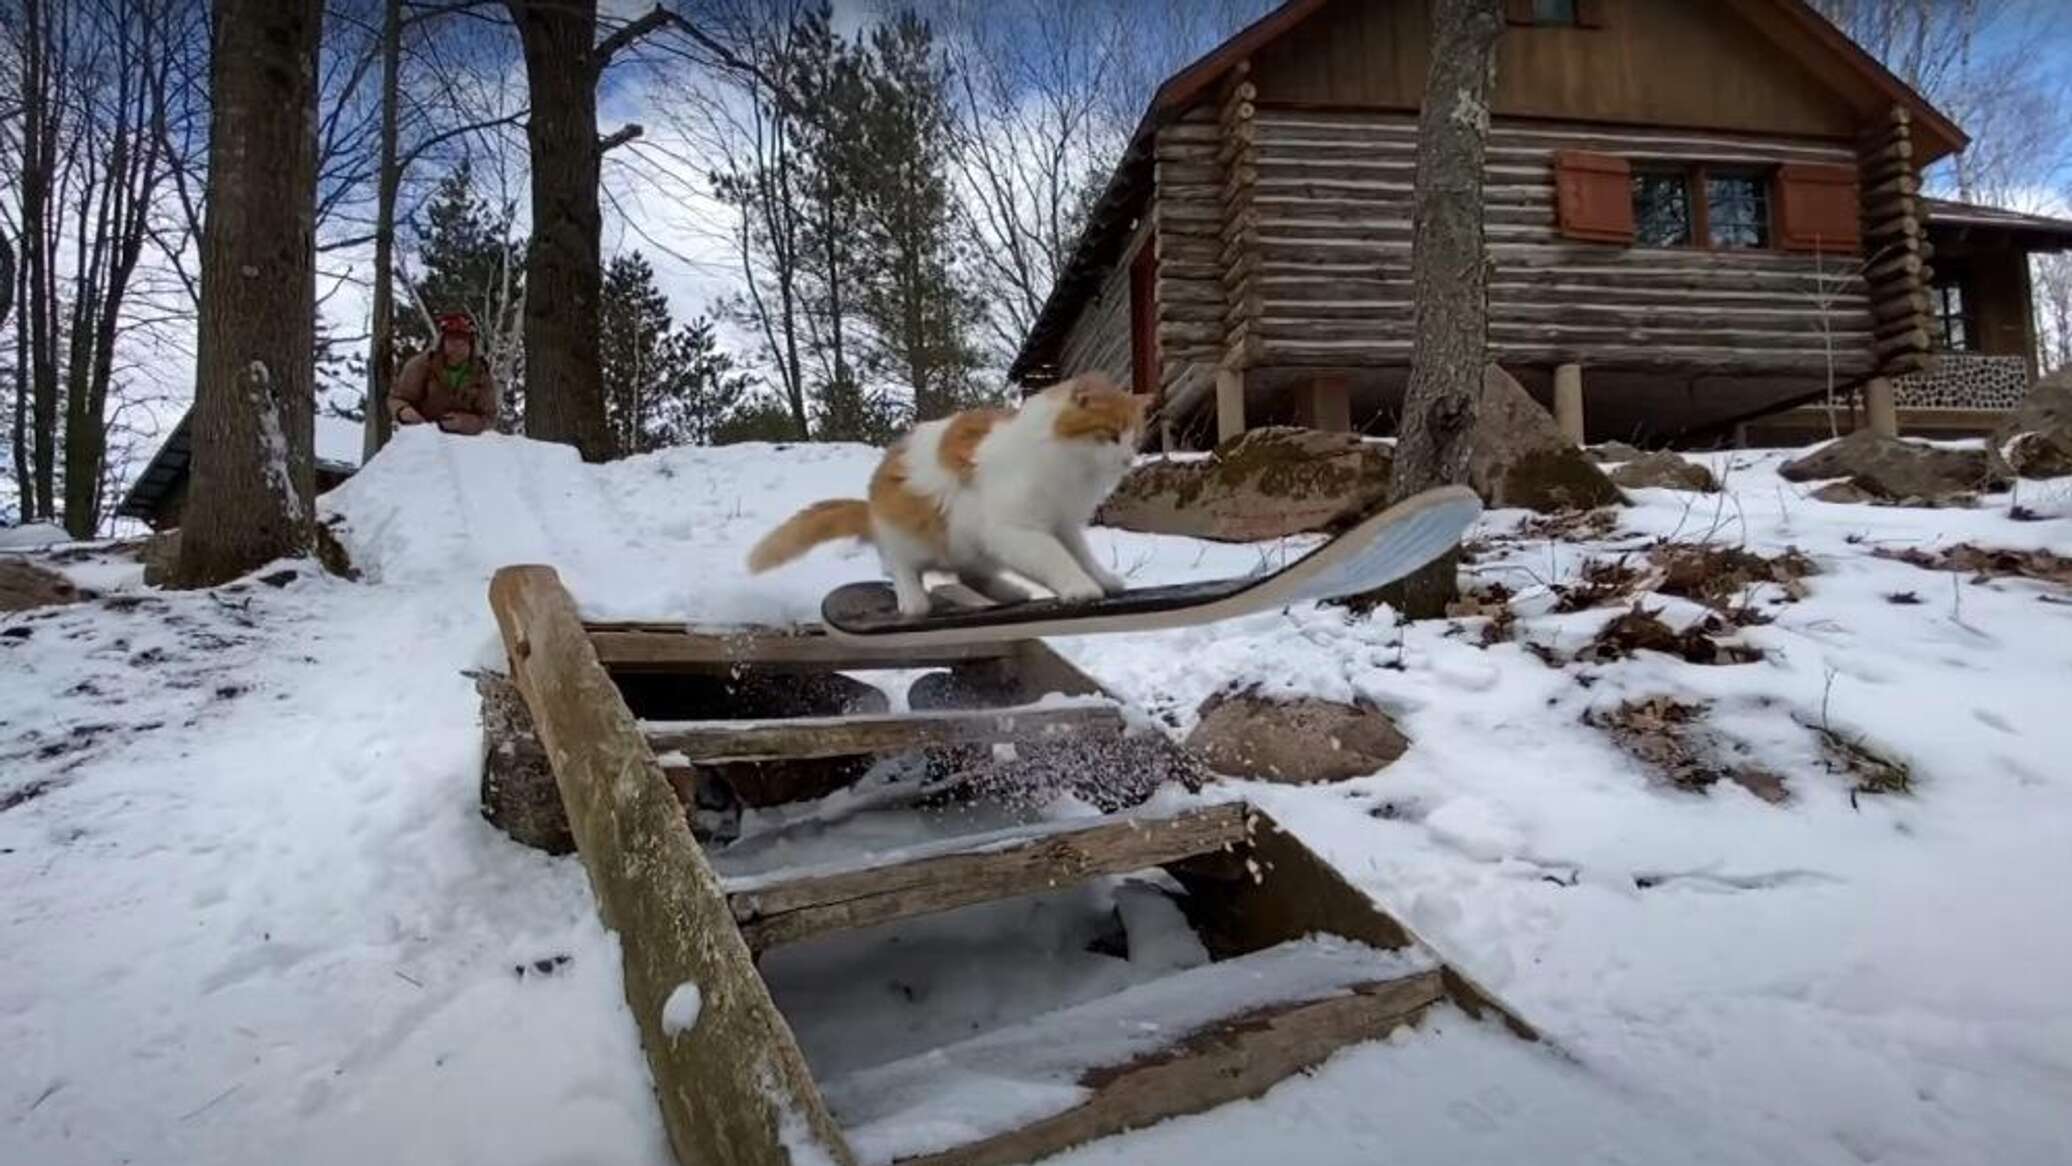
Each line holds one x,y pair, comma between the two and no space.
657,650
731,1085
981,868
718,742
1242,1056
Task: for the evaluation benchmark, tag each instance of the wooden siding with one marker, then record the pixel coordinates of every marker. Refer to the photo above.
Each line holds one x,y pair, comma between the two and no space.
1327,278
1654,62
1100,337
1187,202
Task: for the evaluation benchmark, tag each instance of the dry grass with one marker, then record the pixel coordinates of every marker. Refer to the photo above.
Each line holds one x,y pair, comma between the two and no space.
1671,737
1640,629
1983,563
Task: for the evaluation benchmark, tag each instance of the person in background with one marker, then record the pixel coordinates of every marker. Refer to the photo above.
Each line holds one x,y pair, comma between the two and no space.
448,385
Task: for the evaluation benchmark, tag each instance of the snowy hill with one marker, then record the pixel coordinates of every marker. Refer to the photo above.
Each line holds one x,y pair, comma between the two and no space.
253,913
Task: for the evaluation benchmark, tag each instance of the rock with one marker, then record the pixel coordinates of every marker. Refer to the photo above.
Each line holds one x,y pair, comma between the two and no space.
518,792
1844,492
1520,457
1613,451
24,585
1894,470
1264,483
160,555
1244,734
1665,471
2035,441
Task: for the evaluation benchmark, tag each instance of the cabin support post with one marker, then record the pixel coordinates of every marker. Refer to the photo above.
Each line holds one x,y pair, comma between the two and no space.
1878,406
1230,404
1328,404
1568,401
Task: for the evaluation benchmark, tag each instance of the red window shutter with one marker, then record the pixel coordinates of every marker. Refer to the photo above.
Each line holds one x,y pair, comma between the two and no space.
1593,196
1589,13
1518,11
1818,208
1144,365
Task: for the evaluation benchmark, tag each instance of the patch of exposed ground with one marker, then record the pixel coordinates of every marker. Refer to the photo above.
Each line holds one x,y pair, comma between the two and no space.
1672,738
1983,563
1640,629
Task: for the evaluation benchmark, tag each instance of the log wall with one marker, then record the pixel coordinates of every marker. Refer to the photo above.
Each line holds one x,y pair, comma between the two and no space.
1896,246
1100,337
1187,209
1324,279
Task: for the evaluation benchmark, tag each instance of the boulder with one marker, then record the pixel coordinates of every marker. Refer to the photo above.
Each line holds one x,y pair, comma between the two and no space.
1895,470
1665,471
1520,457
1264,483
1613,451
1847,493
160,554
2035,441
1245,734
24,585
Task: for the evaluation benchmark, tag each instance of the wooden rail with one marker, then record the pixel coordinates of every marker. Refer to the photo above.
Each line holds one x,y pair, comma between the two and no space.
791,738
731,1084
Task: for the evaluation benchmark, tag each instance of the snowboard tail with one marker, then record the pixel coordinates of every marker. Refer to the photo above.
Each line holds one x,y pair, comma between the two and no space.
1378,550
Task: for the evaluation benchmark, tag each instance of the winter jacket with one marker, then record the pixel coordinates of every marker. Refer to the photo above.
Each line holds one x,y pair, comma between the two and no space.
462,396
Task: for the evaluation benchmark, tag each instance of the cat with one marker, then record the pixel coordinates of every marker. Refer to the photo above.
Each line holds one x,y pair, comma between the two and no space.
983,490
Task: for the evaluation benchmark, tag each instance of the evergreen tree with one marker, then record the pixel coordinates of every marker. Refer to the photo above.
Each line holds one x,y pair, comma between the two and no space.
469,260
921,316
663,385
759,418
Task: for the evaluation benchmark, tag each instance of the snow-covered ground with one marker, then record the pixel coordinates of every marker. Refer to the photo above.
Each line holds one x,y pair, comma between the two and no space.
249,911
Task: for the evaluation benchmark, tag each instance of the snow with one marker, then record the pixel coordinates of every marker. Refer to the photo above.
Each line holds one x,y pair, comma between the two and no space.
253,914
680,1011
32,536
339,440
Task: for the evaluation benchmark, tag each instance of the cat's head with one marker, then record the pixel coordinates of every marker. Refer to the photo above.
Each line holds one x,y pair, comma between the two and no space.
1094,411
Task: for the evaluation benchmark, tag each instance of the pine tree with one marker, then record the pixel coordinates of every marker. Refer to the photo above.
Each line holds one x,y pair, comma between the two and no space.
469,259
663,385
921,316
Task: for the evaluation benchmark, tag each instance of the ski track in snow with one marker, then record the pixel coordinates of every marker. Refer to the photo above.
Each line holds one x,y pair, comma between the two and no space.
252,914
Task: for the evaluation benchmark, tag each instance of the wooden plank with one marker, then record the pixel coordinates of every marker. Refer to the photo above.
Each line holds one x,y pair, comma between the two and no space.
717,742
1239,1057
977,869
649,650
730,1086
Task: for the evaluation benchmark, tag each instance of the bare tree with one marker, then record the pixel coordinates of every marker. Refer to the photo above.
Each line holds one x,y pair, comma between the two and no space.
1449,305
252,484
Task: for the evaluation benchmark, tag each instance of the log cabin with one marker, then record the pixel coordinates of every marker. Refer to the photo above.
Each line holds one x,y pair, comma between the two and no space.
1697,217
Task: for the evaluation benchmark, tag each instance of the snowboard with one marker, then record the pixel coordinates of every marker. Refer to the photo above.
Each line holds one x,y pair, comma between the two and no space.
1378,550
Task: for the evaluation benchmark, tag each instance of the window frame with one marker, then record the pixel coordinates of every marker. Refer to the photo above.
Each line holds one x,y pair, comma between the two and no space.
1940,315
1698,200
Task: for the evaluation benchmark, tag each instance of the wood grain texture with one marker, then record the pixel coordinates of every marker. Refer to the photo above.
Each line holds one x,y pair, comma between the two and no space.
802,737
659,649
785,912
727,1085
1235,1058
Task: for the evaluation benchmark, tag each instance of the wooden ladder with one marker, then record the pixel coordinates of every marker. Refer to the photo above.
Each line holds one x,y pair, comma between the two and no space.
1302,962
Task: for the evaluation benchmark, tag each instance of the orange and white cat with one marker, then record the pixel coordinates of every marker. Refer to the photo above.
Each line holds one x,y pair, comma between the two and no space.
983,490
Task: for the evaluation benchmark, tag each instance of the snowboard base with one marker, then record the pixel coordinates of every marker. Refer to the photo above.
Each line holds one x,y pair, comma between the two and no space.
1378,550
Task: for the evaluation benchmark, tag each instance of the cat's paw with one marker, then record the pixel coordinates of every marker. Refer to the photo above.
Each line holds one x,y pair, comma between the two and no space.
1080,592
913,605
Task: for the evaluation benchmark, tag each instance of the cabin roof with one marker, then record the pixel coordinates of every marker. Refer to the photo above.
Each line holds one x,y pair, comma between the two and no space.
1810,36
337,452
2038,232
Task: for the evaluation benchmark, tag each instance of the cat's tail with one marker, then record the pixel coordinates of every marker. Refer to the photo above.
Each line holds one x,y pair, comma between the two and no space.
819,523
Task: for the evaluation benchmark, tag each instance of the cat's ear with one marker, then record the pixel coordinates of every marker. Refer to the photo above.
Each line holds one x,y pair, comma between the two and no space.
1089,387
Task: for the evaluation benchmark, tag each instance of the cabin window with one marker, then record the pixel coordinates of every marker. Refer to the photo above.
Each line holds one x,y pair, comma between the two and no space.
1737,210
1695,206
1553,11
1661,209
1954,331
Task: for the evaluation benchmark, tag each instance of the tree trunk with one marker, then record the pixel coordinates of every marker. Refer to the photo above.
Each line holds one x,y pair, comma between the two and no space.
564,285
6,278
1449,305
39,161
381,344
252,486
